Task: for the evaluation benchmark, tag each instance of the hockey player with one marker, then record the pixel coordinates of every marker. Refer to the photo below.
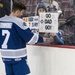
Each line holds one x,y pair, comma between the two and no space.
14,34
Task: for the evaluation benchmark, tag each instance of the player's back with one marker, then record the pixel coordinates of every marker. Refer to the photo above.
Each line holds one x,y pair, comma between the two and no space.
12,45
9,34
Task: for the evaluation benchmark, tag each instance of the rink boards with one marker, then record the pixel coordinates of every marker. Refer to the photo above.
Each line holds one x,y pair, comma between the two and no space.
49,60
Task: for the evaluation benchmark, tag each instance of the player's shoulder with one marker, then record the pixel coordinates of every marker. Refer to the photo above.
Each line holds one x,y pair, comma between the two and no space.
20,22
11,19
17,21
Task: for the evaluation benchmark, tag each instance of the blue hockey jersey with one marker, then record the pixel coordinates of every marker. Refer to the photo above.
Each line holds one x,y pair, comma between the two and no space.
14,34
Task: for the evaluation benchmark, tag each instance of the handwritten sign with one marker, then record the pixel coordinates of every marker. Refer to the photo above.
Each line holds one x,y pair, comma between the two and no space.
48,22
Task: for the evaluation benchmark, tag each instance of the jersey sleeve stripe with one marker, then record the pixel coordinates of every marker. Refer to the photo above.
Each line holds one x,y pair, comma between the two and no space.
34,39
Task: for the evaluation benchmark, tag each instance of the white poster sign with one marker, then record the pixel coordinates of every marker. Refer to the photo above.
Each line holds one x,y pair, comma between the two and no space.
48,22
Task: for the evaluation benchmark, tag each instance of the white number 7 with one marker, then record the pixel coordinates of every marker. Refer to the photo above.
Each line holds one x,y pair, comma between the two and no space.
7,33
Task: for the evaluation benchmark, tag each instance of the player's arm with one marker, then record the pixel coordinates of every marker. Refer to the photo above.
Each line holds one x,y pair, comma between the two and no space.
35,38
27,35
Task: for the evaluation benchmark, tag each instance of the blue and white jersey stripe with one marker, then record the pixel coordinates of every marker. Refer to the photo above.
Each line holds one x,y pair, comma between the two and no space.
11,53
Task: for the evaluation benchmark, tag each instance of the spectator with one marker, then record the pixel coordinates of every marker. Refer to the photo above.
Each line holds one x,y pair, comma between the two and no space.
45,4
41,8
51,6
55,38
55,6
